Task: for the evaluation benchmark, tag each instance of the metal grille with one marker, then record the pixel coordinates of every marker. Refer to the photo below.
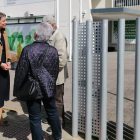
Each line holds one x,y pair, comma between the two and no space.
95,77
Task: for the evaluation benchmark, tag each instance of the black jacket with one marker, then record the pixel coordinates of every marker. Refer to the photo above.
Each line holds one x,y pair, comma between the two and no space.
29,64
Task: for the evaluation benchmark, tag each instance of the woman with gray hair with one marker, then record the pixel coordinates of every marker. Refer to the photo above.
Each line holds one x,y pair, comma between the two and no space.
32,58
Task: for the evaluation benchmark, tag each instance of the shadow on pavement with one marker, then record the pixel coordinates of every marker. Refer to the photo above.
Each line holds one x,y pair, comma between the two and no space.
23,105
19,128
68,122
68,125
127,131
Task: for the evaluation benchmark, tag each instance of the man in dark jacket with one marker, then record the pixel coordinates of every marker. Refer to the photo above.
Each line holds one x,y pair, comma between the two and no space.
29,63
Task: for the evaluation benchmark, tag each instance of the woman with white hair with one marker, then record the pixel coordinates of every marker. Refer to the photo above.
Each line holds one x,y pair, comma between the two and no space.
39,62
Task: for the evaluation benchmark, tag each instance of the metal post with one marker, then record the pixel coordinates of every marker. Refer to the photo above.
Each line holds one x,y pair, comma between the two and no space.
75,80
113,4
120,79
137,82
104,49
89,25
90,6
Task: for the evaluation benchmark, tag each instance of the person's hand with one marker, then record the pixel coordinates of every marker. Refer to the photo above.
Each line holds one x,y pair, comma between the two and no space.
8,65
4,66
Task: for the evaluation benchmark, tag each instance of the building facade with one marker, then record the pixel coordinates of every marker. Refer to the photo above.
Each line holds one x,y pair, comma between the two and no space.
114,10
23,15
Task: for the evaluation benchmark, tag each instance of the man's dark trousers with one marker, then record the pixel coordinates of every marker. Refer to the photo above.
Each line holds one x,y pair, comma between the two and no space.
60,102
34,108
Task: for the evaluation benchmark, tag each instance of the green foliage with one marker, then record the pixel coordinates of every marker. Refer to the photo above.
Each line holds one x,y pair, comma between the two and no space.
17,37
19,50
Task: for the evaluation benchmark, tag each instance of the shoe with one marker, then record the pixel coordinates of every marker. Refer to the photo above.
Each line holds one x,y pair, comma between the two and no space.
4,123
49,129
45,120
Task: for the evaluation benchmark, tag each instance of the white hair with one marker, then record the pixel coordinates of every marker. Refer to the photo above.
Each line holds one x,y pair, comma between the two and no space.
44,31
49,18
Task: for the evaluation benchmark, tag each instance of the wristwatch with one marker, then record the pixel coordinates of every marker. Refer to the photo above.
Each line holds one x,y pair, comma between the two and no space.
9,60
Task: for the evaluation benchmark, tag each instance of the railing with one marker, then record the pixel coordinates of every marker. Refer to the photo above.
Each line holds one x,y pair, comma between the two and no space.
88,70
132,4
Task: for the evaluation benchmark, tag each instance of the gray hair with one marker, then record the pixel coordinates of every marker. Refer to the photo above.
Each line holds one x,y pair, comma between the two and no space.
49,18
44,31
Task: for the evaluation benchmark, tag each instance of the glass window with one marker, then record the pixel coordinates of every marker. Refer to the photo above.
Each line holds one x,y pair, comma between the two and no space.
121,3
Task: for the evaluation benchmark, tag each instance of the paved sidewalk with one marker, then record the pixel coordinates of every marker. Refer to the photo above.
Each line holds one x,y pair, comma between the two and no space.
16,112
19,128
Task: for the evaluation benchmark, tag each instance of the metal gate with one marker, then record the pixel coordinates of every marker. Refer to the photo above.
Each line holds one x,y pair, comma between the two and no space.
96,47
90,44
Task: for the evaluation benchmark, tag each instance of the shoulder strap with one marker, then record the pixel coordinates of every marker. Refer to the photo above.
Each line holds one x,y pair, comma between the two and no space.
47,50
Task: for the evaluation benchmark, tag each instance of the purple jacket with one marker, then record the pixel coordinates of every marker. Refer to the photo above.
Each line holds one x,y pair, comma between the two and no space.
29,64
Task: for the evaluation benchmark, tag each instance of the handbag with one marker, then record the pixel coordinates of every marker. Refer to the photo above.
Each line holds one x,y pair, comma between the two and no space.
28,90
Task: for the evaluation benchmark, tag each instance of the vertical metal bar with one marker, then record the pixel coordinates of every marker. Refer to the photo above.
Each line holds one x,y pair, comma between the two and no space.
104,49
126,2
135,4
137,82
89,25
120,78
75,79
90,6
113,4
119,3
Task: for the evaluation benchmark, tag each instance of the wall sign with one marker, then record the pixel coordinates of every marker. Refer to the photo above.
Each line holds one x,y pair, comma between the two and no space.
20,2
130,32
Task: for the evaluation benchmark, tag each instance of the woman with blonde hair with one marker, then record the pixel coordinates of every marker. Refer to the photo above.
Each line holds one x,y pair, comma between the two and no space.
5,65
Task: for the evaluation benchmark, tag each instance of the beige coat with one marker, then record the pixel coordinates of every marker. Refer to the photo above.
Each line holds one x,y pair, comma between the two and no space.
59,42
8,54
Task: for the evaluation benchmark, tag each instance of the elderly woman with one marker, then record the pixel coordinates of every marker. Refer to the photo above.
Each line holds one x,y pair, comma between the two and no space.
5,65
27,68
